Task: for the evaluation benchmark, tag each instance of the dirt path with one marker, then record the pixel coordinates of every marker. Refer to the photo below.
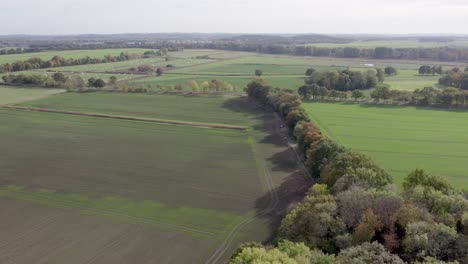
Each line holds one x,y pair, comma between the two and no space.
131,118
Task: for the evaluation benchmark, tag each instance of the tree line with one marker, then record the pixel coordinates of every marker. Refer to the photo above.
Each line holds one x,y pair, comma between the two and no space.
434,54
345,80
57,79
354,213
421,53
59,61
426,96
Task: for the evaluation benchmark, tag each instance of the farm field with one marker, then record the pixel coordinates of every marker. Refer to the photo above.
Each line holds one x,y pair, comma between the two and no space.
32,232
68,54
409,80
148,184
208,109
13,94
400,139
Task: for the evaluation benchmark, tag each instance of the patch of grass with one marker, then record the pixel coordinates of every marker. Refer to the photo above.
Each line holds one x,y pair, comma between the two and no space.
409,80
14,94
401,139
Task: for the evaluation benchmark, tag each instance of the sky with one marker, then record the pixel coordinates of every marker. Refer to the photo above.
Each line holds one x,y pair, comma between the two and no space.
59,17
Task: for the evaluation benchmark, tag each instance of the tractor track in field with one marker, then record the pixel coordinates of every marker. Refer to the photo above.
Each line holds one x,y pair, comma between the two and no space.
114,241
274,199
221,250
32,228
129,118
116,214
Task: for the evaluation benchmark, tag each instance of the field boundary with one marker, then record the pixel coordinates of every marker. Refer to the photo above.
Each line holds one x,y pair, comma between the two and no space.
130,118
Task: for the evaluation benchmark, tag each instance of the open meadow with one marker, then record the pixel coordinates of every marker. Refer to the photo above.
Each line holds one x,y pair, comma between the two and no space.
400,139
14,94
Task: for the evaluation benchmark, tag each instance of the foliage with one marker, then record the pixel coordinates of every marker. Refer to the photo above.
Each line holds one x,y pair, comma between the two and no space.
354,163
369,253
346,80
424,239
420,177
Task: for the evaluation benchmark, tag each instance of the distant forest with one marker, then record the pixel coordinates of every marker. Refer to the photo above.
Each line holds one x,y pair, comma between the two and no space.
298,45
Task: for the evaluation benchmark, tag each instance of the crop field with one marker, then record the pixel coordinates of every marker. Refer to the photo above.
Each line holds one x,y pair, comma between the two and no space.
62,234
154,192
208,109
68,54
12,94
401,139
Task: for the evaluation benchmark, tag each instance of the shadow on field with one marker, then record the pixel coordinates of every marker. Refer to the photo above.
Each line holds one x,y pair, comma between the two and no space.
294,186
292,190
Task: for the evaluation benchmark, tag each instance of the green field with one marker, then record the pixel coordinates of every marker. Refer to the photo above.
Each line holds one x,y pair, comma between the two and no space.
203,188
13,94
206,109
401,139
409,80
68,54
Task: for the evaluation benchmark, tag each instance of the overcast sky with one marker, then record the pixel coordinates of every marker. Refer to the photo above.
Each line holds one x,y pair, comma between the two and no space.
233,16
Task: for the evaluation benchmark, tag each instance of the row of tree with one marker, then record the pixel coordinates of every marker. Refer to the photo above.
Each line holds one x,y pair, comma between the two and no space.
58,79
426,69
191,85
426,96
354,214
17,51
346,80
59,61
434,54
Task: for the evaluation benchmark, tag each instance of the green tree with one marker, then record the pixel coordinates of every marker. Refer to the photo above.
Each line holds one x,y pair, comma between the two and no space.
353,163
424,239
258,72
380,75
59,77
309,72
367,253
295,116
357,94
380,92
420,177
159,71
389,70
